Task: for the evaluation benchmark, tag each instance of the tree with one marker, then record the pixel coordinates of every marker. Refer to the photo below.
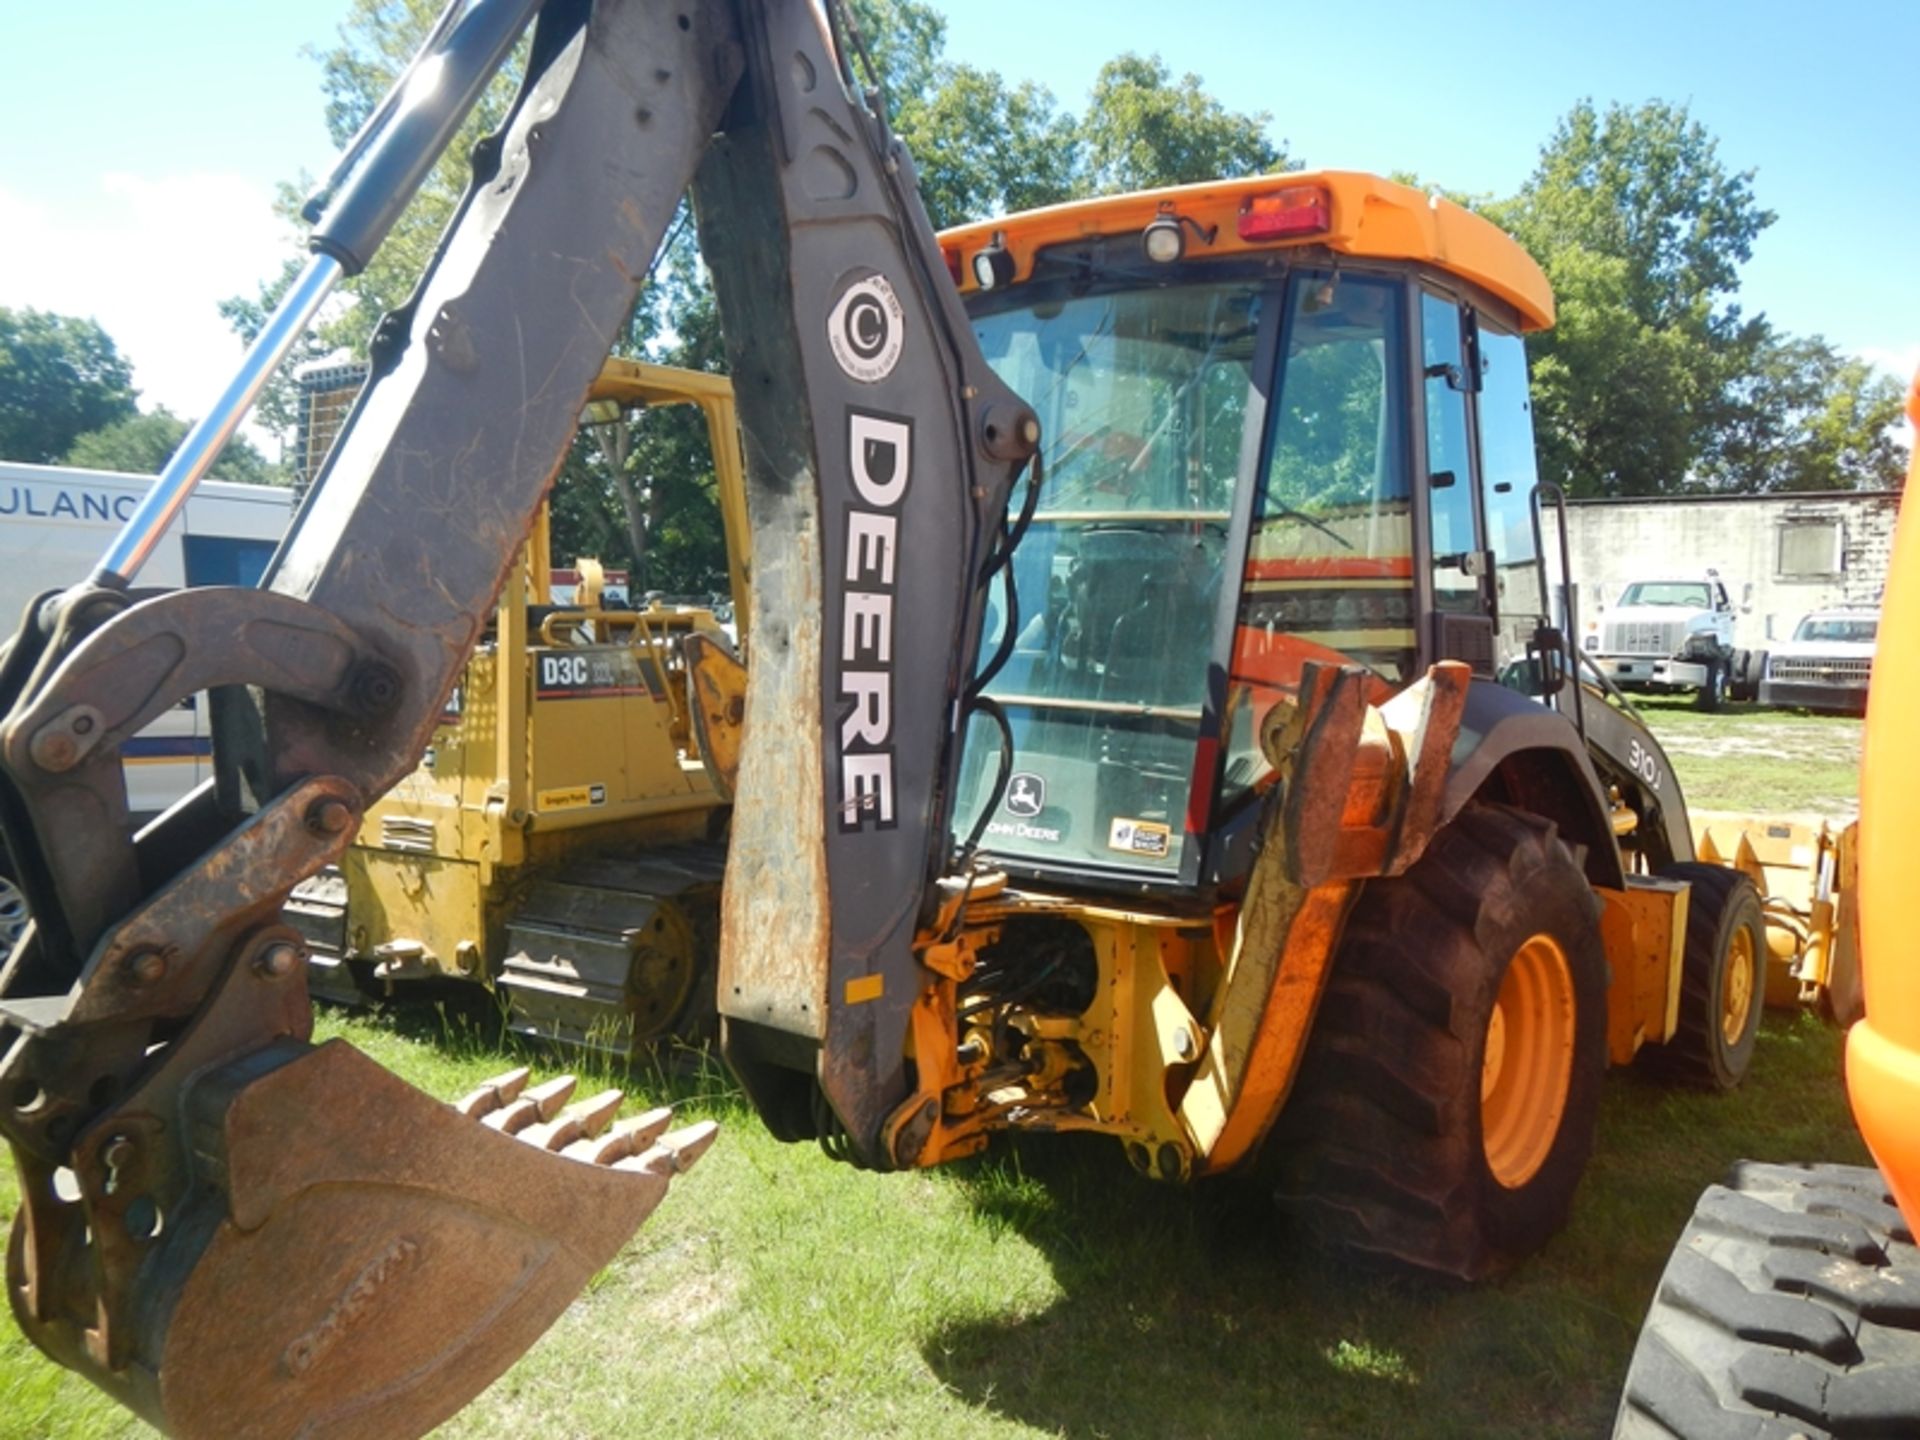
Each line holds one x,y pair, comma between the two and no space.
1646,186
1802,416
1641,229
142,444
59,378
1142,131
983,147
641,495
1653,381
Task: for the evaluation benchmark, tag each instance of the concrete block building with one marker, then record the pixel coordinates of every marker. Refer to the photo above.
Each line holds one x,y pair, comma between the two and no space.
1780,555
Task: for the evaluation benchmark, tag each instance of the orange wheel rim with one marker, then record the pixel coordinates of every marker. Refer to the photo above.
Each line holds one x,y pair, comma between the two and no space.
1736,987
1527,1065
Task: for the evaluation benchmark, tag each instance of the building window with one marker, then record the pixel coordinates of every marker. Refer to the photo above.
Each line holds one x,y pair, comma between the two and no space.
1809,549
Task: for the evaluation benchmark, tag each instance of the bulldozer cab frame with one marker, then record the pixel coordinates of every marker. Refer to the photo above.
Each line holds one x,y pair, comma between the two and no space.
558,840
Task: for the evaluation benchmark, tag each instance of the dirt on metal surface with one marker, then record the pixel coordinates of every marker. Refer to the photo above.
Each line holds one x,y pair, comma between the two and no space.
434,1251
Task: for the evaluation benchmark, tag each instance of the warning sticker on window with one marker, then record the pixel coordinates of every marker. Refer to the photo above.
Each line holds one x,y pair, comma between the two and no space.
1139,837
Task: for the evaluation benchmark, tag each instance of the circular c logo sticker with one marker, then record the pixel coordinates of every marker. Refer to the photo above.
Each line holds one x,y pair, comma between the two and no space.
867,329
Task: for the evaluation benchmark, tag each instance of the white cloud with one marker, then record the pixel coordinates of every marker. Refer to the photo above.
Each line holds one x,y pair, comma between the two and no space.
150,260
1899,361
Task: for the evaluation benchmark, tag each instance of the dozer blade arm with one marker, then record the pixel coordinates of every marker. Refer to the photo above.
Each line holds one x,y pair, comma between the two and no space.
237,1233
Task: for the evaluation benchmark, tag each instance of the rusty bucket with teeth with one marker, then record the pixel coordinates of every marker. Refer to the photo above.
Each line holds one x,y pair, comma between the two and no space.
362,1270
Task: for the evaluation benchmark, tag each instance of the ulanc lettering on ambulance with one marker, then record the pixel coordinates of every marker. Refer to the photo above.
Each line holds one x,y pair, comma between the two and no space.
40,502
880,453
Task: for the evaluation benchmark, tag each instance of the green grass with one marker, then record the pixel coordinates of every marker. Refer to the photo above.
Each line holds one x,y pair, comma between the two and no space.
1766,761
1044,1290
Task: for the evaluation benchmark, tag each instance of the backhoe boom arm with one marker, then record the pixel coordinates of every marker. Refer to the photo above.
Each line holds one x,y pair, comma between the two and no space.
154,1017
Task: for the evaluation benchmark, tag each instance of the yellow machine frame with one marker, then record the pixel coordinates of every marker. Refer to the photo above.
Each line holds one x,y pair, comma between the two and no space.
1195,1052
519,778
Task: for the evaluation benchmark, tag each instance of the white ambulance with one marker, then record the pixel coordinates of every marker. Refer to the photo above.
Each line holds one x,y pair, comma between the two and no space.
54,525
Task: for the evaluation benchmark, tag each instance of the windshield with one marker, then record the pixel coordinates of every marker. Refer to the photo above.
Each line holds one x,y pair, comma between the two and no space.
1847,629
1142,397
1668,592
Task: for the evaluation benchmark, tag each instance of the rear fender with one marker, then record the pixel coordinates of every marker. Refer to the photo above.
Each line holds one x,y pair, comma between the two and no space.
1512,749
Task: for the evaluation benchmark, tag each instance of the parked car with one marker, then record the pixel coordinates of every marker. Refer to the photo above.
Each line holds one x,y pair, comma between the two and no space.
1827,663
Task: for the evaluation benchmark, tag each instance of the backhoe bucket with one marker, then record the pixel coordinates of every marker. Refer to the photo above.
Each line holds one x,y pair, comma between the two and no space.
353,1257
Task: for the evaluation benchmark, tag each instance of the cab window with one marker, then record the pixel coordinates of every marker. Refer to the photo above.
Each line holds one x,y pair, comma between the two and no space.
1329,573
1449,465
1508,476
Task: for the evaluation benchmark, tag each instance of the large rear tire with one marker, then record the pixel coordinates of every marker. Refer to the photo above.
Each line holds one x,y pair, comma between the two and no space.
1445,1108
1723,980
1791,1307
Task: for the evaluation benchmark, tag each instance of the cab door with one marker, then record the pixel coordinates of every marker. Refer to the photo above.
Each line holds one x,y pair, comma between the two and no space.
1462,606
1503,428
1484,561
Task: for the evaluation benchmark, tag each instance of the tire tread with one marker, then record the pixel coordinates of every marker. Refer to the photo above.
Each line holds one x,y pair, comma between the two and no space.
1687,1058
1369,1146
1791,1306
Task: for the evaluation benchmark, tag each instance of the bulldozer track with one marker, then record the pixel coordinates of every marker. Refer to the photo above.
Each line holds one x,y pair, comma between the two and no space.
608,953
617,951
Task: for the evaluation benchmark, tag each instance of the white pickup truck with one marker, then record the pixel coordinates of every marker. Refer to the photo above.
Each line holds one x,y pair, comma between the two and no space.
1673,635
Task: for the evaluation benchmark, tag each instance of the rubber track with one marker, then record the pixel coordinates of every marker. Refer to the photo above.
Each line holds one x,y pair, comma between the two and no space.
1791,1307
1685,1058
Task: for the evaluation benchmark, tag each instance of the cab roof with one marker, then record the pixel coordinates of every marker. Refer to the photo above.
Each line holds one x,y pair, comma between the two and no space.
1366,217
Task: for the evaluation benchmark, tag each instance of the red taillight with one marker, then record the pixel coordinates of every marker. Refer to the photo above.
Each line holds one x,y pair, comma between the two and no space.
951,254
1296,210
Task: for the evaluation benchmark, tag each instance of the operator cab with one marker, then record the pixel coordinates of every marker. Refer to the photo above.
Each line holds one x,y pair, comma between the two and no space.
1284,420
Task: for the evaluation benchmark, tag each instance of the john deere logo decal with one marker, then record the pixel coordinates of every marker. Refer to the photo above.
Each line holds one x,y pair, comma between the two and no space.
1026,795
867,329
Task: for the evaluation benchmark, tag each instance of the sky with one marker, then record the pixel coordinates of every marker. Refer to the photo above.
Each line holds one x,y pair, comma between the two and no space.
140,144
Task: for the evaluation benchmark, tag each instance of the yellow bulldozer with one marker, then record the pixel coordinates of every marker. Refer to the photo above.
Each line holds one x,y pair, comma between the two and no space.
1161,725
561,840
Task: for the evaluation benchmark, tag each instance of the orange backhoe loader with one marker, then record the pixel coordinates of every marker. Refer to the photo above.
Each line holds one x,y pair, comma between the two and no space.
1161,726
1791,1306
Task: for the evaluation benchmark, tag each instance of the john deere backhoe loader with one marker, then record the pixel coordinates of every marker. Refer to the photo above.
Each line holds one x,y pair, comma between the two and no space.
1171,794
560,840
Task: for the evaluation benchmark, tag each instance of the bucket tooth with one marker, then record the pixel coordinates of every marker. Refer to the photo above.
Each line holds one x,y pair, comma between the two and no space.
627,1137
539,1104
582,1120
675,1153
494,1093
